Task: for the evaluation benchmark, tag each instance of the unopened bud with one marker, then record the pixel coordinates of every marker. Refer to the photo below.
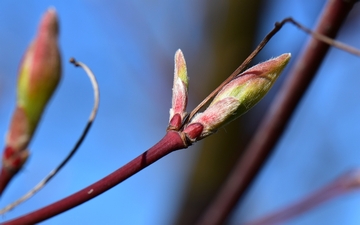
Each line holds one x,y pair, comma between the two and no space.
39,75
239,95
180,92
193,132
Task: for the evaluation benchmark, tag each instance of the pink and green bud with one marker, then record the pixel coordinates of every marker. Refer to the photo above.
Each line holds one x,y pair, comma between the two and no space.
239,95
39,75
180,92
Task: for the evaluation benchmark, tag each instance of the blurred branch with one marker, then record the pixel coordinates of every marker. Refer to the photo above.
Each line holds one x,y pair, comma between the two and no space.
279,114
73,151
347,182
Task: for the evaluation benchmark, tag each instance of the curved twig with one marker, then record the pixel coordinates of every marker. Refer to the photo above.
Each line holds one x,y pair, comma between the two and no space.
94,110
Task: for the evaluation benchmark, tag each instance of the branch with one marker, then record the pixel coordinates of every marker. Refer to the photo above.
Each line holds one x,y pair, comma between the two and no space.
42,183
278,115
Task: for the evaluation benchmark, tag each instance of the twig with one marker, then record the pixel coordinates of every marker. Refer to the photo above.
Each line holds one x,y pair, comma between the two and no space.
325,39
347,182
72,152
278,115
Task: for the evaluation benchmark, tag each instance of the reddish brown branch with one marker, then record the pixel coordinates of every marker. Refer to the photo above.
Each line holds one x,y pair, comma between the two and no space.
170,142
279,114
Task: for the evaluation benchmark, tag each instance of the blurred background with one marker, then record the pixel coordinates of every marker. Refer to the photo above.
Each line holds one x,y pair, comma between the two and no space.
130,46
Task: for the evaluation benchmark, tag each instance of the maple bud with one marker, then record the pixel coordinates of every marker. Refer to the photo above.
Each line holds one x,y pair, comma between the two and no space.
180,92
39,75
238,96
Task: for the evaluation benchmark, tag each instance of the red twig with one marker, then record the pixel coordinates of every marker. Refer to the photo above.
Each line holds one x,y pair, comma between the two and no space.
279,114
169,143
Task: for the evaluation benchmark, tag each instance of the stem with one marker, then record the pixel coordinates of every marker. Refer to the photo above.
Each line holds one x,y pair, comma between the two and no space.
278,116
170,142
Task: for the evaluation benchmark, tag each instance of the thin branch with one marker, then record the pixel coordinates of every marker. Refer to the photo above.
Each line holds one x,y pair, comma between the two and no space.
94,110
278,116
344,184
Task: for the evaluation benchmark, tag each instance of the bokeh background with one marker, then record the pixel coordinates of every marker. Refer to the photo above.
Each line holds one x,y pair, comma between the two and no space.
130,47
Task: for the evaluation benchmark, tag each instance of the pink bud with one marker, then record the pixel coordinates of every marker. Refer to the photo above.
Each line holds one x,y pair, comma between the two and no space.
180,91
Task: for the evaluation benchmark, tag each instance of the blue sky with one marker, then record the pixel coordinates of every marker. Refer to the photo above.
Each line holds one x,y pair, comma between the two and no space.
130,47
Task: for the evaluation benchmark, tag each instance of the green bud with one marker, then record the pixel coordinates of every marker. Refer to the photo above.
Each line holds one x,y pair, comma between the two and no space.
240,95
